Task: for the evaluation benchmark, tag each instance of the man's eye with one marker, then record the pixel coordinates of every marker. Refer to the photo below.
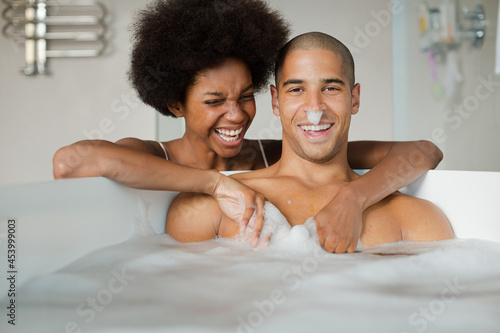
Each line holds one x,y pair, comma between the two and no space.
295,90
331,89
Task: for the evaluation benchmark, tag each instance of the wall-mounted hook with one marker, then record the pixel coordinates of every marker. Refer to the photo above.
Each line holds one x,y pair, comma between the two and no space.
473,25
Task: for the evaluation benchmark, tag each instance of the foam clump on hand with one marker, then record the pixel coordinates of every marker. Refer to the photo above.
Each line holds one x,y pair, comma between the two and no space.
301,238
275,226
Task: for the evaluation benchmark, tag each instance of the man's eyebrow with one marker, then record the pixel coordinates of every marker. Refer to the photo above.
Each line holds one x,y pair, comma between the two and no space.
339,81
292,81
324,81
219,94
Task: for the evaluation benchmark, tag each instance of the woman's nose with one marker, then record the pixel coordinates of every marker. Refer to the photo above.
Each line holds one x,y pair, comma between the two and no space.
234,112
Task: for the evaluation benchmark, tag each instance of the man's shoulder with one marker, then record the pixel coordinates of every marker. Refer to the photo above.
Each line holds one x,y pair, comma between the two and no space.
254,175
401,207
418,219
399,200
193,217
408,205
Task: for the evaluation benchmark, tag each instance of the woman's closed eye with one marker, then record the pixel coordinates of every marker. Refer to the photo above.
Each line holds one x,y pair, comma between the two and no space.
247,97
215,101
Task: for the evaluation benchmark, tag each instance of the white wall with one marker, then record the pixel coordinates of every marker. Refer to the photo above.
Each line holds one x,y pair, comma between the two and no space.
40,114
470,138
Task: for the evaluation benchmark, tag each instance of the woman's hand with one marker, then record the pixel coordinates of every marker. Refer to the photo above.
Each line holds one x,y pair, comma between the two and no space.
339,223
241,204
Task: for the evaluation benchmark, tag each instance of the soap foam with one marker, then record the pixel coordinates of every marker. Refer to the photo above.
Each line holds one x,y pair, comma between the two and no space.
299,238
221,286
275,226
314,117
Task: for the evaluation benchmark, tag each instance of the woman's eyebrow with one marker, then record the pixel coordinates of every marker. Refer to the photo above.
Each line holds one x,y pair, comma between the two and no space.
219,94
214,93
247,88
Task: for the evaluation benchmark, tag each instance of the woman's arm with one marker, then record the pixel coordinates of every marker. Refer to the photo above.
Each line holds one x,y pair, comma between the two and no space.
136,163
132,162
394,165
367,154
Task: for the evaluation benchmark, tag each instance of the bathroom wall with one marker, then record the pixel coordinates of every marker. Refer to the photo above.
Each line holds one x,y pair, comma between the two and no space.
466,124
81,98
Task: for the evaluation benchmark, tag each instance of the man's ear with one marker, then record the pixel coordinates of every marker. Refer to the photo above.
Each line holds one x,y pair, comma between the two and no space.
275,102
176,109
355,98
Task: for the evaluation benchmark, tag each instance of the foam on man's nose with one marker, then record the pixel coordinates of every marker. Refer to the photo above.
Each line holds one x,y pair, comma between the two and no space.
314,117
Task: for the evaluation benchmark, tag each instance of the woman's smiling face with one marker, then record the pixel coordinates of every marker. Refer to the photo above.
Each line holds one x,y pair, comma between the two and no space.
219,107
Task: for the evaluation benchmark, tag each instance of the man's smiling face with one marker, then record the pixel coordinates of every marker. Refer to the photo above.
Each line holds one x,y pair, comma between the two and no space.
313,80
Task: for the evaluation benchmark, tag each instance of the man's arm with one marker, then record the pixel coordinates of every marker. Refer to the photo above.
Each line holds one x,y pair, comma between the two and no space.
395,165
193,217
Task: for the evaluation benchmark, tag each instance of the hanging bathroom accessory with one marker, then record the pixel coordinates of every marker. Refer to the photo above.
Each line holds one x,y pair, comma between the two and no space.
443,29
55,29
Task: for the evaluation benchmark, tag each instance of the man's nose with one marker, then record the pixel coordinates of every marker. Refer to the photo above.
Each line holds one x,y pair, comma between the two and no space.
313,102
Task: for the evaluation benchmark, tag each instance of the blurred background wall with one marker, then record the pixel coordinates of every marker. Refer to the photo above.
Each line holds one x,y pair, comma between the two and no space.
464,119
91,98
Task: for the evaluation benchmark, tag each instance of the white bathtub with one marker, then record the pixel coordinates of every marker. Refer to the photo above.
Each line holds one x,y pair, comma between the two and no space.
59,223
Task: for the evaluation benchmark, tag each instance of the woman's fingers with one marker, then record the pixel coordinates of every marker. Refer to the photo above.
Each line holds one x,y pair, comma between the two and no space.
259,218
352,248
265,241
247,215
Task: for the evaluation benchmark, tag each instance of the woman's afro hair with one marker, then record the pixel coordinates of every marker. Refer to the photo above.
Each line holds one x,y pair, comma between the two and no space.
173,40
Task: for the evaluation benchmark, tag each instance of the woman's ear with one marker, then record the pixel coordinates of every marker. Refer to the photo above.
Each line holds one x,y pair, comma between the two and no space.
176,109
275,102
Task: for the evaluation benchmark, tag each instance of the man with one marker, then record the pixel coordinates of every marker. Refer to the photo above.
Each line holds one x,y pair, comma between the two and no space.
314,76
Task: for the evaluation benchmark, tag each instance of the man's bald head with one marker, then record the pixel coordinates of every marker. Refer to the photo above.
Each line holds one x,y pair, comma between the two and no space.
316,40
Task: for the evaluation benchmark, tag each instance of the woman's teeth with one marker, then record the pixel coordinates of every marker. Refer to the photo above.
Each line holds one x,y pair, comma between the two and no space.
229,135
316,127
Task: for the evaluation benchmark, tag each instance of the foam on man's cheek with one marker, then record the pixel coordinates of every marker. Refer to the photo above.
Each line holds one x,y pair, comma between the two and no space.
314,117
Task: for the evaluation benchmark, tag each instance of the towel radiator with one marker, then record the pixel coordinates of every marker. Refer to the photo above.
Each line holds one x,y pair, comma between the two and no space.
55,29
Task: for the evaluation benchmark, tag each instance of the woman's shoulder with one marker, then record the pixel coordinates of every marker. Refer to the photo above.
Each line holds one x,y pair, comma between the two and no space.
147,146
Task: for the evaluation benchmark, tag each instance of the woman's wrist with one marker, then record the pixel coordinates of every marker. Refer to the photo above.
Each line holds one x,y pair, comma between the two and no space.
354,192
212,179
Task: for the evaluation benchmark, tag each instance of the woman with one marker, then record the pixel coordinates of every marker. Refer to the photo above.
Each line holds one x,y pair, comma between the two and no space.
204,60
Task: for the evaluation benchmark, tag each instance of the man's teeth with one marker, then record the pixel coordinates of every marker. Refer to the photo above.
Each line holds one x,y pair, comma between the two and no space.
316,127
229,135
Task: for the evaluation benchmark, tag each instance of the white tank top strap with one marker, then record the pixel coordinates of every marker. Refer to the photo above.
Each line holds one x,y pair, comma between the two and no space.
164,150
263,153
